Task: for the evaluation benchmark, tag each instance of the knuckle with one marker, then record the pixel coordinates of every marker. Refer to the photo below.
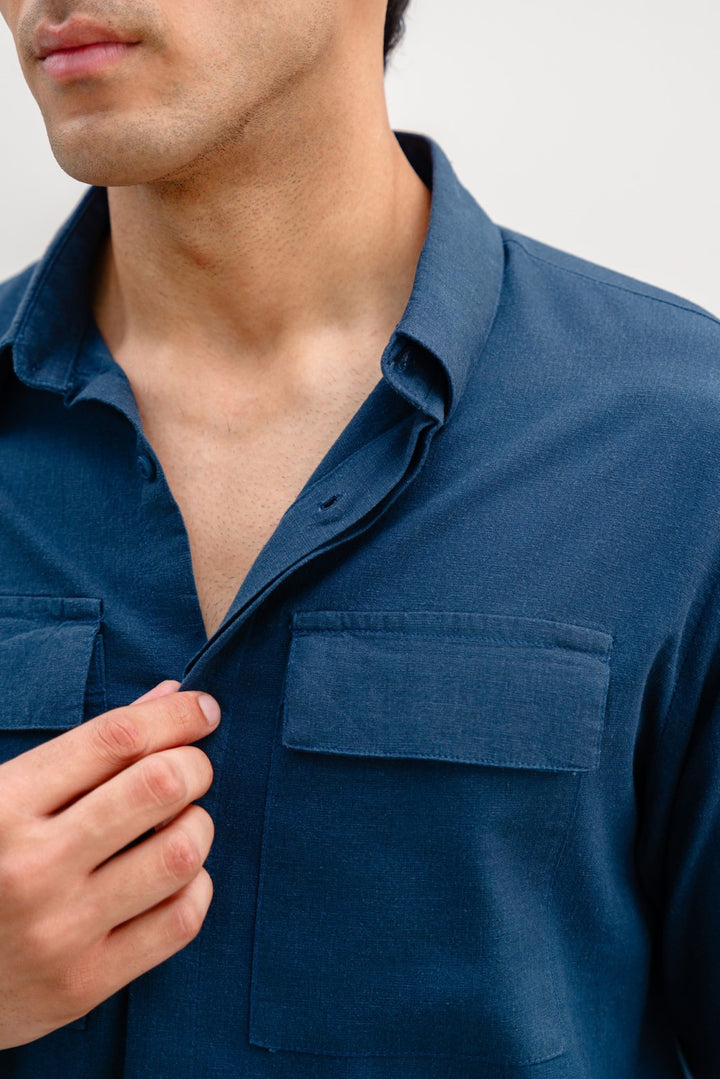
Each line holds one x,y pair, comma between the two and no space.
118,739
76,987
162,783
181,858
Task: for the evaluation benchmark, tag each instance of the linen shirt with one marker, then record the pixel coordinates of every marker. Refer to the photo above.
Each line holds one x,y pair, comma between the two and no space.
467,783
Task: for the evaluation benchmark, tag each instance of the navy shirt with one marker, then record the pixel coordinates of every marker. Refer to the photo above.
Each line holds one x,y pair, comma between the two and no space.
467,784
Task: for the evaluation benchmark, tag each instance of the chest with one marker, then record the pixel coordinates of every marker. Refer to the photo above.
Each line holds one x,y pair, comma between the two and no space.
234,479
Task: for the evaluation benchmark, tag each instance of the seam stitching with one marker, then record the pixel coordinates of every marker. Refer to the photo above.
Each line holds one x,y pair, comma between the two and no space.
611,284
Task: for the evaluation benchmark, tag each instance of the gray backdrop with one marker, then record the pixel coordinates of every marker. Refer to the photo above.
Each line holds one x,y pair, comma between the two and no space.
590,126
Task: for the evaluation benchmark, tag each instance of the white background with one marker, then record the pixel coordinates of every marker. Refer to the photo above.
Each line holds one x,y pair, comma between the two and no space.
591,126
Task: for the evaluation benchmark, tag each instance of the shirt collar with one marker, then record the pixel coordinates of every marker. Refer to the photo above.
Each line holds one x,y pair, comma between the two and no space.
49,325
449,315
459,274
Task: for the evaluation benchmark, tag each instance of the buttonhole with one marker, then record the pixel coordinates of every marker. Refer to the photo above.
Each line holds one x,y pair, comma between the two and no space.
329,502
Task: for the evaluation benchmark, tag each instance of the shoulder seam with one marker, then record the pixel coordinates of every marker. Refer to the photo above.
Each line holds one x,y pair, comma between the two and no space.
611,284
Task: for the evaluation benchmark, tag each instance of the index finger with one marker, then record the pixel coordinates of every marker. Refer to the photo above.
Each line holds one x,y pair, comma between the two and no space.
44,779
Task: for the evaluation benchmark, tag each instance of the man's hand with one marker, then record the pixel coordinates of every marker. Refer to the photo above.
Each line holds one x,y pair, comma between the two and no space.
78,919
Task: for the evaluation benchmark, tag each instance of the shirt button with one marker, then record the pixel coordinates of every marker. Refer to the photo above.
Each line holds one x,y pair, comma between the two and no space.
147,466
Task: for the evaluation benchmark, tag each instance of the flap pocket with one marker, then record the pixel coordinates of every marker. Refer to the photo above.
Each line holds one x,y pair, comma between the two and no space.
406,892
51,662
476,689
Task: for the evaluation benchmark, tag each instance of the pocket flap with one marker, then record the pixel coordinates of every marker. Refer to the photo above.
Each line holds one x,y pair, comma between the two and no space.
475,689
47,647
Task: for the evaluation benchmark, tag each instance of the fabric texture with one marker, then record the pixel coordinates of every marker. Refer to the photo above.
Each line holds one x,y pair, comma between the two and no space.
467,783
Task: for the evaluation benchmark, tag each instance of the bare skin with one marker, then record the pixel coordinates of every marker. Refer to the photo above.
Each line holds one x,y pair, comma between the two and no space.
266,228
78,920
275,340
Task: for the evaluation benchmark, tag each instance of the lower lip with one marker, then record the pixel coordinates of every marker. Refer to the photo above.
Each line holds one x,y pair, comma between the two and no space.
86,61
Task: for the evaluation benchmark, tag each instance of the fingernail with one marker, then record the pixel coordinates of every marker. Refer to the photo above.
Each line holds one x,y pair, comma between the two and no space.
162,689
211,709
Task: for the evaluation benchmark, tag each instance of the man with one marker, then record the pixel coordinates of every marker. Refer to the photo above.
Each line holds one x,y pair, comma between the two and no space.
428,509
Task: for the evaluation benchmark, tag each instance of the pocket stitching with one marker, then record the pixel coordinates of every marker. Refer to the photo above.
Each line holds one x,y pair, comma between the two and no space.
417,755
453,635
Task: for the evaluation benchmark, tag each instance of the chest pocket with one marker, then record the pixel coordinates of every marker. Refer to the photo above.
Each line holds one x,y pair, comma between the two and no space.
51,668
52,673
417,807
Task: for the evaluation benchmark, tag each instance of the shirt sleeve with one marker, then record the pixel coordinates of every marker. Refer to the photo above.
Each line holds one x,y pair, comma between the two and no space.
682,849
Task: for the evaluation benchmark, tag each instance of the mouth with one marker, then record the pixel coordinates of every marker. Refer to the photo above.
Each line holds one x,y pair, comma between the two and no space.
79,48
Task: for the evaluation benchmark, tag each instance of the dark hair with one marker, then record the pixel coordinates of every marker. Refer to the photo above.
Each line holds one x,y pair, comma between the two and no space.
394,24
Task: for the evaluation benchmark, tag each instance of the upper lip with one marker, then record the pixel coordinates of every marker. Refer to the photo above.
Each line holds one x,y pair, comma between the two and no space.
73,35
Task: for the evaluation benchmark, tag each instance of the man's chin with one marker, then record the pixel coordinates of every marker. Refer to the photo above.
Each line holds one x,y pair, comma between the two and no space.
114,151
113,167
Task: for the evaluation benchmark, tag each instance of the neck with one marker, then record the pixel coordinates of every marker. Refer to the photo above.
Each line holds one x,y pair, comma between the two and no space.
287,241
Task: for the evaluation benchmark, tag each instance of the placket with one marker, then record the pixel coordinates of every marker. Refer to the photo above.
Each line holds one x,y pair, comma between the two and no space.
336,509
